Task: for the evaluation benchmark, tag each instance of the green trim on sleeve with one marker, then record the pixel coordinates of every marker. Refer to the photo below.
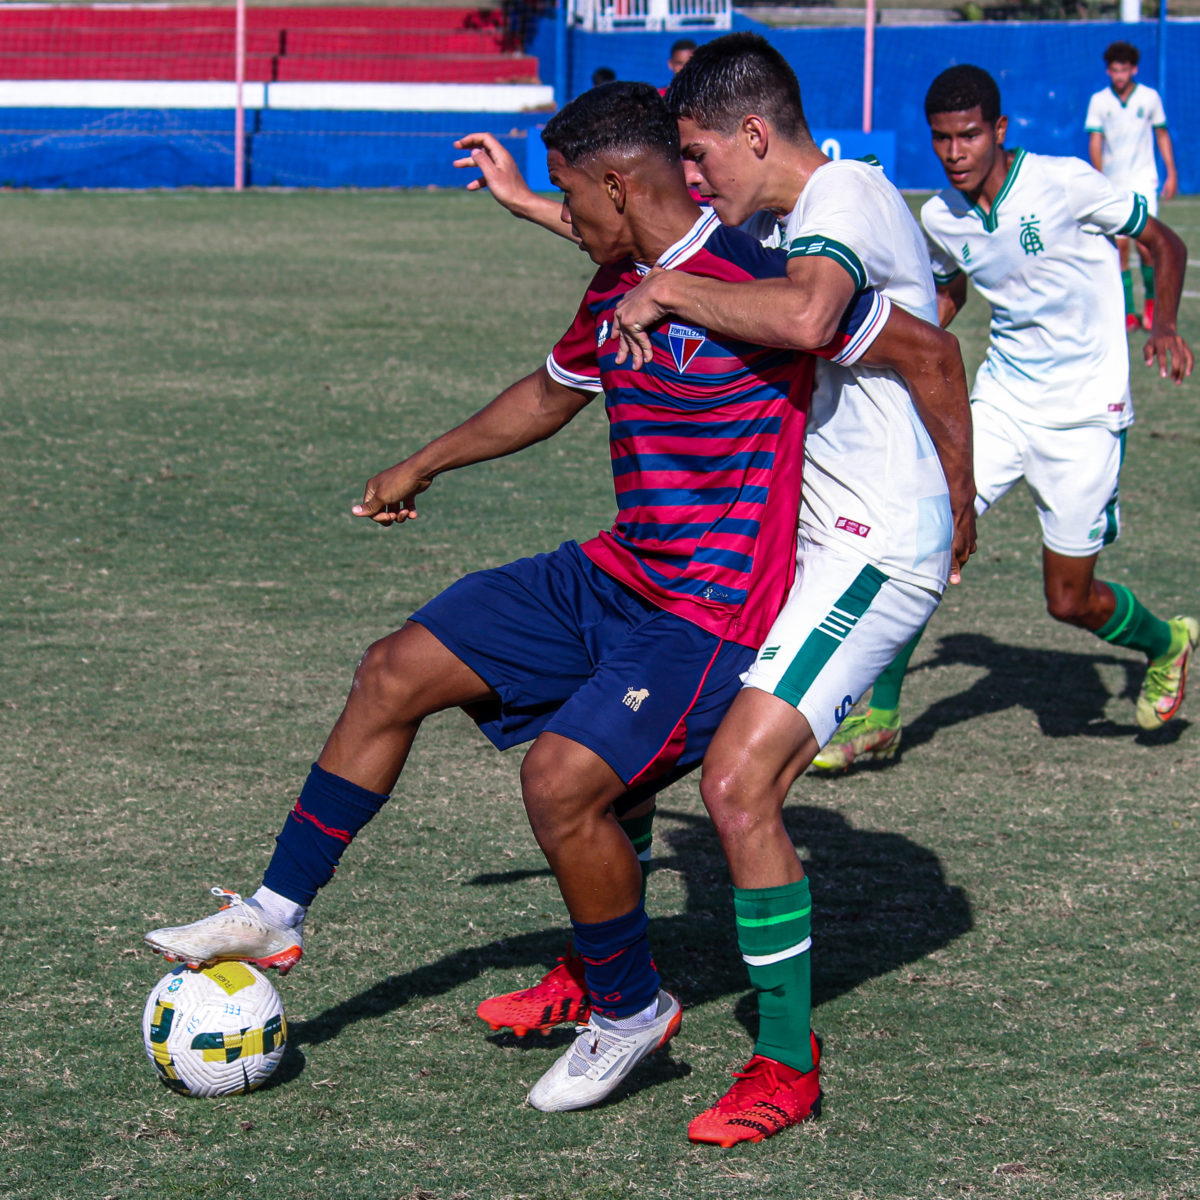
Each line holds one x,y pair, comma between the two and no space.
942,280
823,247
1137,219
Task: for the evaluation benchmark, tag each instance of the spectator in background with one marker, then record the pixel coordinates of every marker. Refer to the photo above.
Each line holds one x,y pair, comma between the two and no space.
680,53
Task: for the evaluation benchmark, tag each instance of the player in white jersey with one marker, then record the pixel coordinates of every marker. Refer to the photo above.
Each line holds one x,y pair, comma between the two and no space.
1051,402
887,485
878,517
1123,123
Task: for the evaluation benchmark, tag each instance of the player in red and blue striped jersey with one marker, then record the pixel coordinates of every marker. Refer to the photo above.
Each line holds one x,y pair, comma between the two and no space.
617,657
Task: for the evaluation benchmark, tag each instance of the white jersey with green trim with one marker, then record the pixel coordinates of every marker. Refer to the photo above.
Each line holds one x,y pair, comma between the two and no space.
1044,261
1127,125
873,483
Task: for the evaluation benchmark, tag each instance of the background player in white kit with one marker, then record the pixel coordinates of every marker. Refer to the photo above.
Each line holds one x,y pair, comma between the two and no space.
1124,121
1051,401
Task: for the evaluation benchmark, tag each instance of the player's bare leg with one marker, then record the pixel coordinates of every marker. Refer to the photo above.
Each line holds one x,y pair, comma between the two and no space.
1112,612
762,746
569,792
400,680
560,997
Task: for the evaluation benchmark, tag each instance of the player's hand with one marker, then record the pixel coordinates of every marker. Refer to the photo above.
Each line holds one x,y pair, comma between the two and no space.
963,545
500,173
391,496
1170,351
1169,188
639,310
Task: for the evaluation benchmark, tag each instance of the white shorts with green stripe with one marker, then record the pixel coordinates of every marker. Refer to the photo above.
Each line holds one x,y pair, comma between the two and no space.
1071,473
844,621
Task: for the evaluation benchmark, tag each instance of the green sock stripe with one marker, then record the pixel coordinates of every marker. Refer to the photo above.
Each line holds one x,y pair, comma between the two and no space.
1127,285
1115,626
1134,626
820,645
772,920
762,922
640,831
1148,281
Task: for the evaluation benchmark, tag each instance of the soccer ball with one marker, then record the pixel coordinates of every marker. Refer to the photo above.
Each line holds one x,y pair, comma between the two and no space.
214,1032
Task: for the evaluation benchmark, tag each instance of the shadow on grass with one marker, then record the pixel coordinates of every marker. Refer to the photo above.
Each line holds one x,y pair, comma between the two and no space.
1063,690
880,901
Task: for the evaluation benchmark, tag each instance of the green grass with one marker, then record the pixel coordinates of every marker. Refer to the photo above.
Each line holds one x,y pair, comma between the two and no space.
194,389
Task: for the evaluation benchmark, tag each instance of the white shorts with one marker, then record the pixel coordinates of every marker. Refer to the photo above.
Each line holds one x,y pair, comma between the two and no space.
1072,474
844,621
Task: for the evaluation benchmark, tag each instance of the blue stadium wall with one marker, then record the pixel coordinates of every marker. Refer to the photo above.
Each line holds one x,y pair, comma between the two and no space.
1046,71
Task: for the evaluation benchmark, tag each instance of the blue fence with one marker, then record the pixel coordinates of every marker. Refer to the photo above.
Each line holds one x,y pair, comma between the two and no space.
1046,72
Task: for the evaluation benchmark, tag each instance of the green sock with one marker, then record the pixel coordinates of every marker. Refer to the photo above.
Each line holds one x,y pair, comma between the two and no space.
773,931
1148,280
885,695
1135,626
1127,284
640,831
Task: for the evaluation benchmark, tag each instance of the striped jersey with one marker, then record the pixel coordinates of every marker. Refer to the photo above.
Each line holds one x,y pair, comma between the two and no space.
706,442
1043,259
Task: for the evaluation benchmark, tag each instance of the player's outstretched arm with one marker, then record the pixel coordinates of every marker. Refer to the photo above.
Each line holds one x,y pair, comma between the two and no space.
1165,346
929,362
800,312
501,176
1096,149
531,410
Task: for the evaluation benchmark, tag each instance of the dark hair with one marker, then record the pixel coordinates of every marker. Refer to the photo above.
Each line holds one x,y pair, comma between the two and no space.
962,88
682,44
620,116
1123,52
733,76
603,75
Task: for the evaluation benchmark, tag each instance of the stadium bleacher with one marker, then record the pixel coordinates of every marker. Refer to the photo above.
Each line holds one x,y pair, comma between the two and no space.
417,45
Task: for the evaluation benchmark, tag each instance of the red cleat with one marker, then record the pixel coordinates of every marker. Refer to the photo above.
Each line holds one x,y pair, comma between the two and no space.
767,1097
558,998
1148,315
1132,322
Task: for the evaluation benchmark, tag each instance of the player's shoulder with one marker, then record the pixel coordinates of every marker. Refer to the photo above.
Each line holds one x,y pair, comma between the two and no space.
851,184
730,252
947,205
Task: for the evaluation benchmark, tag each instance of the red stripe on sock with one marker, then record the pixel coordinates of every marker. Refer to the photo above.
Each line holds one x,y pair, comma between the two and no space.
342,835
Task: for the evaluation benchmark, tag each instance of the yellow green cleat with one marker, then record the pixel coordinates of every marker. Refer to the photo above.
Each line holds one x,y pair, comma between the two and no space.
863,737
1162,689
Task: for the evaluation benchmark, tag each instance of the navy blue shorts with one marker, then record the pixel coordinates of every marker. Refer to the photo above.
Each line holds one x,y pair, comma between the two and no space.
571,651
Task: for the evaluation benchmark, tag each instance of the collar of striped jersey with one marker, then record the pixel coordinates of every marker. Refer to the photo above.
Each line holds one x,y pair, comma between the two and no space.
693,240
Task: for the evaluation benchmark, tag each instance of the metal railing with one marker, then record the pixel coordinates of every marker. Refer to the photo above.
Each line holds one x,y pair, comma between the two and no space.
609,16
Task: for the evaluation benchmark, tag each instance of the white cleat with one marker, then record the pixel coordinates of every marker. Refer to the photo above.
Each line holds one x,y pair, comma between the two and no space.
600,1057
239,932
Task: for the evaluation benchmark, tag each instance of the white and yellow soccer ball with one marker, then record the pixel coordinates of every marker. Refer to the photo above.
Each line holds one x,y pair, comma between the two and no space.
215,1032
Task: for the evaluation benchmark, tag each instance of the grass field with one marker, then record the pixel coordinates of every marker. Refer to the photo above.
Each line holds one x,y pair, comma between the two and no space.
194,389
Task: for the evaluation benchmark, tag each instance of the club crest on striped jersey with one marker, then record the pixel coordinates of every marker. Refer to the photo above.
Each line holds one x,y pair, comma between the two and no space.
685,342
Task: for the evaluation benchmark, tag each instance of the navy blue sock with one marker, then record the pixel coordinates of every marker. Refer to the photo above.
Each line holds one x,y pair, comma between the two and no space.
327,815
621,977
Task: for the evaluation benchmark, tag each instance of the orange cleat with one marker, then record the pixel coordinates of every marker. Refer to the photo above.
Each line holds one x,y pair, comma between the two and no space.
767,1097
558,998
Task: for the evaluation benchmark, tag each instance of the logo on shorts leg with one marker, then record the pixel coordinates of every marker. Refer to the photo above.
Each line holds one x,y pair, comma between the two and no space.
634,697
843,710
